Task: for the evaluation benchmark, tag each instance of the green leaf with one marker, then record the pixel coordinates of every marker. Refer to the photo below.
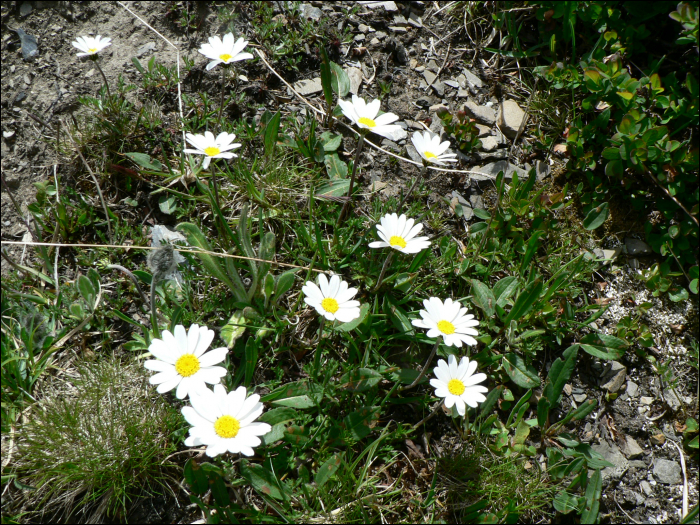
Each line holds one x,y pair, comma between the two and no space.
275,434
678,294
284,283
297,435
357,423
604,346
167,204
251,359
331,142
360,379
271,133
525,301
298,402
326,471
278,415
597,216
137,65
336,168
87,291
593,492
233,329
145,161
196,477
261,479
196,238
522,375
559,374
339,80
504,288
326,81
351,325
483,298
333,188
482,214
565,502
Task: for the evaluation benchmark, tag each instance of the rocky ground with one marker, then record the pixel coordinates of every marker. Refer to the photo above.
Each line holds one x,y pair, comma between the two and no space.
408,47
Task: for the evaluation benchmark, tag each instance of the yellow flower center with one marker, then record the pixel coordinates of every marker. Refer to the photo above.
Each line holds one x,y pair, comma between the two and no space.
227,427
225,57
187,365
330,305
212,151
397,241
93,50
446,327
367,122
429,155
456,387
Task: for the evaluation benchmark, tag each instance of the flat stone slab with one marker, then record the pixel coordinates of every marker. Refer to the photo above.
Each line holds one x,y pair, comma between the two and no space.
355,76
490,171
667,472
309,87
484,114
510,117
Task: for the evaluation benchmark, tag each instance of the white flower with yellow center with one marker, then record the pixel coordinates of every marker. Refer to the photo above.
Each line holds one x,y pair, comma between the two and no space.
431,149
449,320
332,299
212,148
364,116
399,233
225,422
224,51
458,383
181,361
91,45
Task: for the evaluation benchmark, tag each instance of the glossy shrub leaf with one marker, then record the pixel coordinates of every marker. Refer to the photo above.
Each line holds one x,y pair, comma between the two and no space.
597,216
604,346
522,374
340,82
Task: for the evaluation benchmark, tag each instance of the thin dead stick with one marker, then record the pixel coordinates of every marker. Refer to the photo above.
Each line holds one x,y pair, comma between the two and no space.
426,418
447,55
182,250
684,508
97,185
651,175
425,367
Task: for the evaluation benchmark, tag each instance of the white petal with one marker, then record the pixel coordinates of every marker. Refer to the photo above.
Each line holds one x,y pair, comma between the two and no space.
213,357
158,366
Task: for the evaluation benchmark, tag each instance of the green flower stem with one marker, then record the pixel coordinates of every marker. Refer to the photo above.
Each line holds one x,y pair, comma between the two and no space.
413,186
97,63
381,274
425,367
348,202
223,86
317,355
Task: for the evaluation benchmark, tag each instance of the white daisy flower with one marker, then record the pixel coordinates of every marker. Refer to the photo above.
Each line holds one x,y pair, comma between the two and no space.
399,233
365,117
224,51
431,149
449,320
182,362
333,299
91,45
213,148
225,422
458,384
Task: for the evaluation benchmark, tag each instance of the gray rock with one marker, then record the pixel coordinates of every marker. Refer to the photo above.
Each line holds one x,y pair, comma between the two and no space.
476,201
362,28
580,398
462,93
388,6
415,20
145,49
430,77
483,130
638,464
632,389
400,20
491,170
412,153
380,35
646,400
25,9
483,114
615,456
432,66
646,488
309,87
459,200
489,143
631,448
510,117
359,38
672,400
472,79
667,472
309,11
439,89
424,102
28,43
390,145
355,76
398,29
543,170
614,378
451,83
637,247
